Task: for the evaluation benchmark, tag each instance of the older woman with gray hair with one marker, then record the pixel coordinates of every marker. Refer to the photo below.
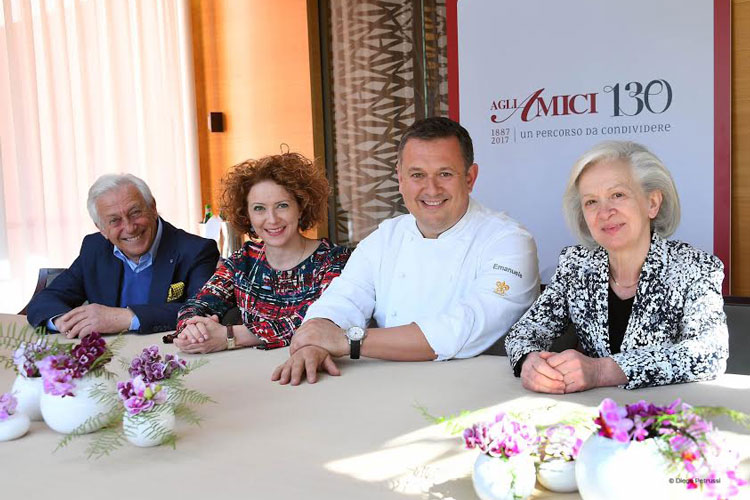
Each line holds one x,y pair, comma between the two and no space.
647,311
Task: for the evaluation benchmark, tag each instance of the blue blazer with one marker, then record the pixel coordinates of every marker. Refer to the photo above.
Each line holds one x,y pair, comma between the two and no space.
96,276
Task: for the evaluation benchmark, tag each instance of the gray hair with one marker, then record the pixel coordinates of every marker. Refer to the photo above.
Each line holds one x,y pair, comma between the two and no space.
647,170
108,182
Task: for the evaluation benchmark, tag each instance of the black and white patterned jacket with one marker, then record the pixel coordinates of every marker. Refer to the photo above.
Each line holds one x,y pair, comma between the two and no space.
677,330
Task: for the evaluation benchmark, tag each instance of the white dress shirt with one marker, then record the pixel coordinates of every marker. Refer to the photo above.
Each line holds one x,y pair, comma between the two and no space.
464,289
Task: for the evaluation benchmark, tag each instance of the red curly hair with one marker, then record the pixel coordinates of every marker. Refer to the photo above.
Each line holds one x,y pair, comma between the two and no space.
292,171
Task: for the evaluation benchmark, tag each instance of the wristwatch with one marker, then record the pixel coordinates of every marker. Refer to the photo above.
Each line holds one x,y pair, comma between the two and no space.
231,341
355,335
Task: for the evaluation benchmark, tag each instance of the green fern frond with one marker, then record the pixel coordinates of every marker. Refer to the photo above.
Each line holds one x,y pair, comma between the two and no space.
170,440
454,424
95,422
6,361
117,344
709,412
11,335
194,365
178,395
154,428
101,394
124,364
105,442
187,414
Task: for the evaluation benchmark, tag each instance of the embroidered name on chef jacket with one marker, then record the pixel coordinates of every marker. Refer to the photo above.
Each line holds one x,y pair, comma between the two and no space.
498,267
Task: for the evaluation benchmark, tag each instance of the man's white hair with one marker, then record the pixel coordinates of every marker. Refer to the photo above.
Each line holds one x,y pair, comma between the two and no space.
108,182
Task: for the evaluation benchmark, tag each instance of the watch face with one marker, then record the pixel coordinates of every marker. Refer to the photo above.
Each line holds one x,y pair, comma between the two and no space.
355,333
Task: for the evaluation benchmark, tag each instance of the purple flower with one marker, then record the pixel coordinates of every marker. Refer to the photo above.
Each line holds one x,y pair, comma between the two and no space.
8,405
57,374
85,354
560,441
150,365
476,436
136,405
613,422
687,440
504,437
139,396
641,427
27,354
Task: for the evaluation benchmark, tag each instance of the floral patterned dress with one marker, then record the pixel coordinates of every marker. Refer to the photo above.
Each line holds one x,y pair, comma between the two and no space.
272,303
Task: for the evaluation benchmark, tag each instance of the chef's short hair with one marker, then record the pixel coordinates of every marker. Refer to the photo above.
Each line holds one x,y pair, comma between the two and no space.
438,127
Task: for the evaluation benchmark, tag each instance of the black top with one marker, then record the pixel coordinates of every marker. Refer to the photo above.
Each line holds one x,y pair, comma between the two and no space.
619,314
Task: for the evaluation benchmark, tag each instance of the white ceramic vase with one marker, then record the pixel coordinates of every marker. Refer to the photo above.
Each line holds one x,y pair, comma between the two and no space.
28,392
14,426
65,414
144,431
503,478
558,475
606,468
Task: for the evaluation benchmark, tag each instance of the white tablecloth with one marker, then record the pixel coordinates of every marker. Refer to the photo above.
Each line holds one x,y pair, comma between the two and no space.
360,435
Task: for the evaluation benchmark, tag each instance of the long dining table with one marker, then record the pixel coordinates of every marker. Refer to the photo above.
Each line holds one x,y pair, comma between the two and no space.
368,433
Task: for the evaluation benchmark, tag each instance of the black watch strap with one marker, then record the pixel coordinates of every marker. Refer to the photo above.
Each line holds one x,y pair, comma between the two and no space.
354,348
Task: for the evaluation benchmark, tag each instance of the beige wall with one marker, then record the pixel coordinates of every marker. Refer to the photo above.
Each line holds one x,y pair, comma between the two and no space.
251,63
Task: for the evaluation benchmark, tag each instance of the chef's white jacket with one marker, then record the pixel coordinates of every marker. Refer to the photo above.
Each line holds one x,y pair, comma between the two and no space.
464,289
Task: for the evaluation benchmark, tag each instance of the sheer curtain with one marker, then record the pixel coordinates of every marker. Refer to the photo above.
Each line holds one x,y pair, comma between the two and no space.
89,87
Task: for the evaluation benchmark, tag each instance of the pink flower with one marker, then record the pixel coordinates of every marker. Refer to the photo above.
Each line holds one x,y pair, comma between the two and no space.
138,396
57,374
476,436
27,354
613,422
504,437
684,437
8,405
560,441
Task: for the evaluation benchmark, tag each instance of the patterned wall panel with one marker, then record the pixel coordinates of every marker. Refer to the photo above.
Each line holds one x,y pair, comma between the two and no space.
388,67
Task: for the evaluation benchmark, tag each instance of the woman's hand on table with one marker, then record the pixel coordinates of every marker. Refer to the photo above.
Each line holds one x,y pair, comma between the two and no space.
305,361
537,374
202,335
581,373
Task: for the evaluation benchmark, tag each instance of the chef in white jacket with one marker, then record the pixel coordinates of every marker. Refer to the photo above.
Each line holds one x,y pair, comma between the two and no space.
446,280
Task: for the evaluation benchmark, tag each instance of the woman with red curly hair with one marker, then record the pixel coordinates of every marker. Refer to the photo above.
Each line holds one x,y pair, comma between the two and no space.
276,275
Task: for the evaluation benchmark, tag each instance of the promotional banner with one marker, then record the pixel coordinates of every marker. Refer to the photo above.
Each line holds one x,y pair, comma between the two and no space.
538,83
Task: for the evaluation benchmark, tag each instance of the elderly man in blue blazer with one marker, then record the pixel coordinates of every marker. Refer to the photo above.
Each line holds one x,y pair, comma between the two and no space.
135,273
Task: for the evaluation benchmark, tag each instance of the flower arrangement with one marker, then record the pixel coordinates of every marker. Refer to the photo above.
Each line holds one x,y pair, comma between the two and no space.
689,443
8,405
504,437
152,368
59,371
28,346
505,468
138,396
28,354
154,391
559,442
142,392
